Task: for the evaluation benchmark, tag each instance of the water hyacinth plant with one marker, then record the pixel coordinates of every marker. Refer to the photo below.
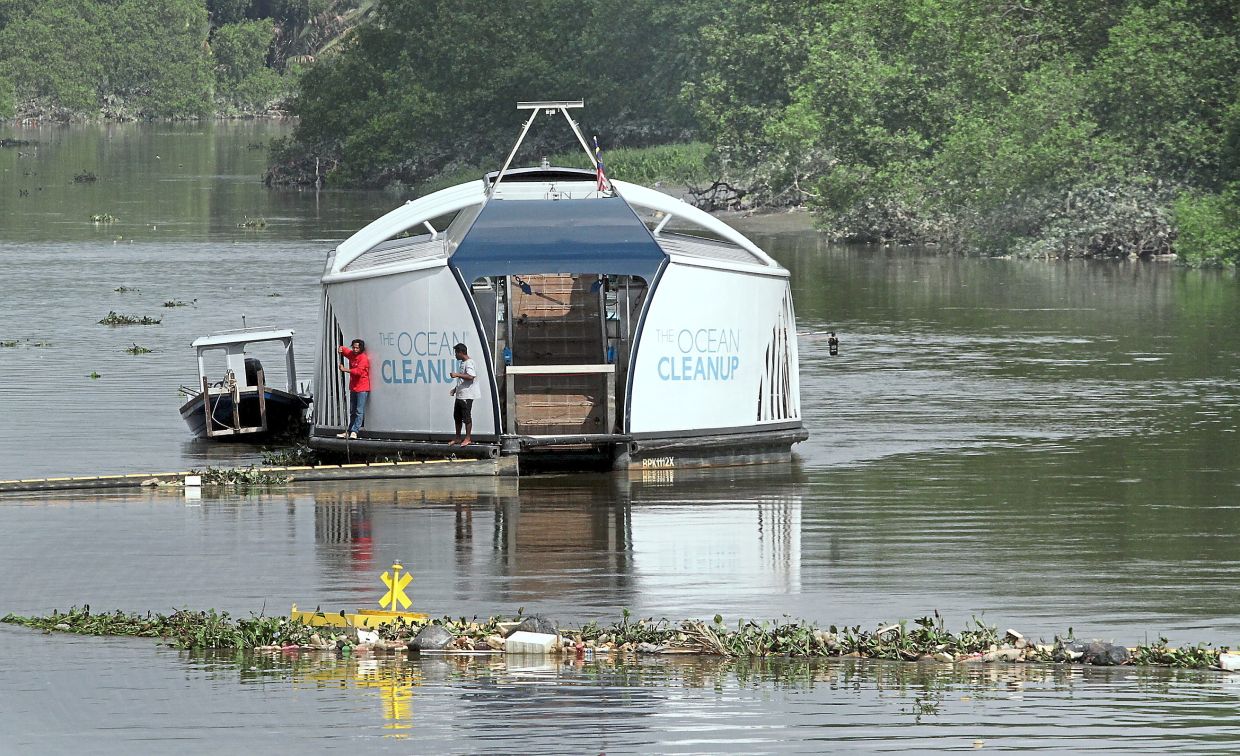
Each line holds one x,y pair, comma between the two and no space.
927,639
114,318
243,476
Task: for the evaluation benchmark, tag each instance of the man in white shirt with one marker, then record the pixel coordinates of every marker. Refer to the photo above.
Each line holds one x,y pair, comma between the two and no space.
465,391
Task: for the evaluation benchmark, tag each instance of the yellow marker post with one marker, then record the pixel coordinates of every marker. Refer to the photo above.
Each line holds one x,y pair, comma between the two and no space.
394,602
396,584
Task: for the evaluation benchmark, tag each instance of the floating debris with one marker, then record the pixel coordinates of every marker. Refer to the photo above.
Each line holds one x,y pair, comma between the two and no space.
9,343
116,319
102,218
85,177
926,641
135,349
126,289
94,375
239,476
295,456
252,223
178,303
7,142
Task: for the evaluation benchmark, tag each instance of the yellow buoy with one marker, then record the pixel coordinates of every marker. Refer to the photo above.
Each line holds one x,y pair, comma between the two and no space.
395,581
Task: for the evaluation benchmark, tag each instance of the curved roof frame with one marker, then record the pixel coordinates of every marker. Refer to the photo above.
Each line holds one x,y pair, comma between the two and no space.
653,199
406,216
474,193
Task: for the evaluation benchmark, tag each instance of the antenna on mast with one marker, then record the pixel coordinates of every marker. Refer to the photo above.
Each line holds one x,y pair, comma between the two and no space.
550,107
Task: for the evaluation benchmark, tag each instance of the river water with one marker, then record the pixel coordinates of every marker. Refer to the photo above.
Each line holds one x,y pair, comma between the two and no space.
1038,445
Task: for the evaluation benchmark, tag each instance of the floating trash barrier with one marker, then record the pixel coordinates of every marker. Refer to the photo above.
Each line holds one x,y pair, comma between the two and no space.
394,628
925,640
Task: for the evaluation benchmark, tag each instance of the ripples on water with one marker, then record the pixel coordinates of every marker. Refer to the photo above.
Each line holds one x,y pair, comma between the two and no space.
1043,445
490,704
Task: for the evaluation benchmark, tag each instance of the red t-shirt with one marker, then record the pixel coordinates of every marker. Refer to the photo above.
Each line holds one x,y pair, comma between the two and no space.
359,369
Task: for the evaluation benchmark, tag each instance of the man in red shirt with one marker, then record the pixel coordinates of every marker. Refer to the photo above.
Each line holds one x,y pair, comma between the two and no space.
359,384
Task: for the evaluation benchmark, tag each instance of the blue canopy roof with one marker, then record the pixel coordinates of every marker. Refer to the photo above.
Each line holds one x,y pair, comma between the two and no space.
597,235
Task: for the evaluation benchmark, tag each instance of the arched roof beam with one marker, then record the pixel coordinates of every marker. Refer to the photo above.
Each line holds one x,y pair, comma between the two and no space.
636,194
405,217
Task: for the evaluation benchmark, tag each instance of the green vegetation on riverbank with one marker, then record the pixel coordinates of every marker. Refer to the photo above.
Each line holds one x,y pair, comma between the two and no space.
927,639
68,60
1051,128
1048,128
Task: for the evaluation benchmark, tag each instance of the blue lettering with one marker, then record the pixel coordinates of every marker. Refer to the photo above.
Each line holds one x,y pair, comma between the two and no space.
386,370
405,368
665,368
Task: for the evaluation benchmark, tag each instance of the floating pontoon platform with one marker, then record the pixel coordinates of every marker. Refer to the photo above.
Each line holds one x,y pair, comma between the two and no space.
436,468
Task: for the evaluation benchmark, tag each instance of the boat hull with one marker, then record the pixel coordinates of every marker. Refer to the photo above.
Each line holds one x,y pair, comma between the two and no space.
592,451
284,412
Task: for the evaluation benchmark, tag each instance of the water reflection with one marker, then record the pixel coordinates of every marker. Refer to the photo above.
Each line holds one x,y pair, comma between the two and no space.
601,539
713,704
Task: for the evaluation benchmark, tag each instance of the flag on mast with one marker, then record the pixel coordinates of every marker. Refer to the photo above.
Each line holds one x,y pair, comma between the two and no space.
603,184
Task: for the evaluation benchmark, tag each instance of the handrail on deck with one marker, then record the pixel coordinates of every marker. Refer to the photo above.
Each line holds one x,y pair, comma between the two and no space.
559,369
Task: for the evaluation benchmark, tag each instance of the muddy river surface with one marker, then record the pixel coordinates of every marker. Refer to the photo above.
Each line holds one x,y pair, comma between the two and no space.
1038,445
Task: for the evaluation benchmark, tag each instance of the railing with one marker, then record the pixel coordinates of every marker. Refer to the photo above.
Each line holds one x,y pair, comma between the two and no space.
230,388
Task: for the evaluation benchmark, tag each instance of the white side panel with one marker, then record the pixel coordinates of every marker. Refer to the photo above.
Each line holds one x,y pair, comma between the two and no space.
711,349
410,323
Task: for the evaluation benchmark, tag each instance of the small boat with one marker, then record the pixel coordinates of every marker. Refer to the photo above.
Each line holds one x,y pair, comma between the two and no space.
240,405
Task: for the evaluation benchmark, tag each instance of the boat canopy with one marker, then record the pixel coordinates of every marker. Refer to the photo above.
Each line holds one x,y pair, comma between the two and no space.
600,235
233,344
243,336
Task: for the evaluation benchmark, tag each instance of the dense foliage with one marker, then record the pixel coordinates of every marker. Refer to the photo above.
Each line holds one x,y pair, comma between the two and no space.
119,57
430,84
66,59
1037,127
1050,127
1046,127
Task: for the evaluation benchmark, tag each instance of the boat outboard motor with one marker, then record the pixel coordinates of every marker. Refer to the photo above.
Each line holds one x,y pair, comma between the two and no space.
252,366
